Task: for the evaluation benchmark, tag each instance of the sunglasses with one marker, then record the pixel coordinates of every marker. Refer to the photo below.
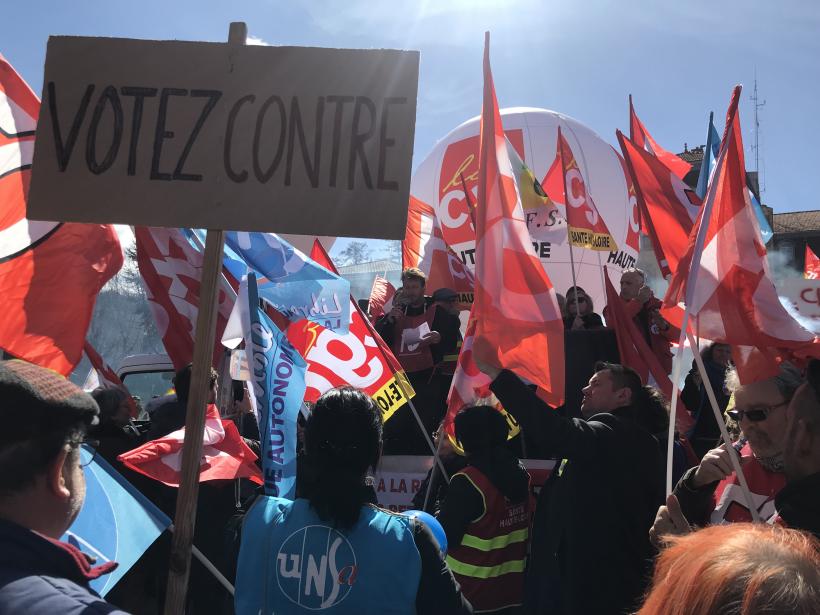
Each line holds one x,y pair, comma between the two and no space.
756,414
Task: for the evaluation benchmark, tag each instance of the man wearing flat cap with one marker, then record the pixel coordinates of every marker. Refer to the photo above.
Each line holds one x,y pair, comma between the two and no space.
44,421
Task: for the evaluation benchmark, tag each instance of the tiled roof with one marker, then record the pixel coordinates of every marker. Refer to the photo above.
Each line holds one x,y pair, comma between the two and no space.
796,221
379,266
692,156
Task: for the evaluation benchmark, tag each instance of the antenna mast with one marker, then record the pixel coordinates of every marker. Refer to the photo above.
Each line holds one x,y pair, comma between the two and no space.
756,147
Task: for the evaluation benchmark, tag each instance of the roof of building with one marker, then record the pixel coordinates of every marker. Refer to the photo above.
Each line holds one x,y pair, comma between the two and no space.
379,266
796,221
692,156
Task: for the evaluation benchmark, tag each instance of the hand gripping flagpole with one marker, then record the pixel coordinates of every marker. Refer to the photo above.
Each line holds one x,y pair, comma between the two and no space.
694,268
179,567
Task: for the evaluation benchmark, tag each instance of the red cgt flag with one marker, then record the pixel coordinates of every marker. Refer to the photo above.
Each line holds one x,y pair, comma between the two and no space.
636,352
360,358
225,456
518,323
724,276
640,136
587,228
50,273
171,270
424,247
669,207
811,271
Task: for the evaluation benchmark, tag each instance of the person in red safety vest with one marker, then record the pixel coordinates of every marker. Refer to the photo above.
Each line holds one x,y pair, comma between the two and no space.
486,514
419,332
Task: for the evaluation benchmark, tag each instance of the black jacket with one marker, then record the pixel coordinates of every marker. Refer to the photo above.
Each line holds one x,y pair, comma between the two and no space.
590,550
39,575
798,504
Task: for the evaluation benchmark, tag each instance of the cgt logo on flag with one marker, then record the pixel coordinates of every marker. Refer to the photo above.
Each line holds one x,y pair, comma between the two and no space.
316,567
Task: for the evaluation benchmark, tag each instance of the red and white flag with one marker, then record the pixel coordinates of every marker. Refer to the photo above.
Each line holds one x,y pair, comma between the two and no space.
811,270
724,280
424,247
225,456
380,295
636,352
171,270
518,323
359,358
669,206
587,228
640,136
50,272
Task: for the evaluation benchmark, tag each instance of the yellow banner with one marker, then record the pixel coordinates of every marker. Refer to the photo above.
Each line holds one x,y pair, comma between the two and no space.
393,395
583,238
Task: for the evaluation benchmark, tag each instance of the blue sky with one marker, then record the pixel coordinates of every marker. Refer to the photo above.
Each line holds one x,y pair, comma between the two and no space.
679,60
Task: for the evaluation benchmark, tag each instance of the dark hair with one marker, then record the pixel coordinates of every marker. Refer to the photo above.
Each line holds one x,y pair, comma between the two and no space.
182,382
480,428
109,401
343,437
707,353
651,407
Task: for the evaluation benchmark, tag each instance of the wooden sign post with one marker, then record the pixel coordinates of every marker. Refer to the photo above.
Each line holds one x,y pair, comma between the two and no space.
224,137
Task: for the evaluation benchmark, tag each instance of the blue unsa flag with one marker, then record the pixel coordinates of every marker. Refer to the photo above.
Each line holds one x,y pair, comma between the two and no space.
278,379
116,523
291,281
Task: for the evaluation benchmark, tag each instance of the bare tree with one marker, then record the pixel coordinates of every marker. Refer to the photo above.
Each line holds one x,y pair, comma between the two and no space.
356,253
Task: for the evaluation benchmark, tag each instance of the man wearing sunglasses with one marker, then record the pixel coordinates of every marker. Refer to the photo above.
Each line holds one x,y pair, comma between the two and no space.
42,488
710,492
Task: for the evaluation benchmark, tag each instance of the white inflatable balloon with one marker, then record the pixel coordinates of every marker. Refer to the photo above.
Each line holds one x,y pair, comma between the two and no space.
534,134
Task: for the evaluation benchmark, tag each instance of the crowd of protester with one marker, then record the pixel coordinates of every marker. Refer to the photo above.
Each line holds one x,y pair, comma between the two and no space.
600,536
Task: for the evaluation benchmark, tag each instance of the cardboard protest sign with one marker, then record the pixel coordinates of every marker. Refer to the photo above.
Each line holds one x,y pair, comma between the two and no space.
178,134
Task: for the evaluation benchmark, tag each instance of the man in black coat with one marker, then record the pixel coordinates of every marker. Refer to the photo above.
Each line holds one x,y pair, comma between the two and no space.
590,550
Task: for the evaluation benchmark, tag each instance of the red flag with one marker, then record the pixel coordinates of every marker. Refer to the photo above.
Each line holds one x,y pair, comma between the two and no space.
724,276
812,269
668,205
107,377
424,247
105,374
225,456
381,293
50,273
636,352
360,358
587,228
633,229
518,323
640,136
171,270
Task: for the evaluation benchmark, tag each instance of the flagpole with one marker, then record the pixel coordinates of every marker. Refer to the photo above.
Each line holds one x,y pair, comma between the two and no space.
744,486
694,268
179,565
436,458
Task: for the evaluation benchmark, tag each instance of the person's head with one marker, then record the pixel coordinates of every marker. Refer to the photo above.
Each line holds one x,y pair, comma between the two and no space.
480,429
737,569
612,386
45,419
447,299
578,295
760,408
182,384
801,452
413,282
720,354
115,406
632,280
343,440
